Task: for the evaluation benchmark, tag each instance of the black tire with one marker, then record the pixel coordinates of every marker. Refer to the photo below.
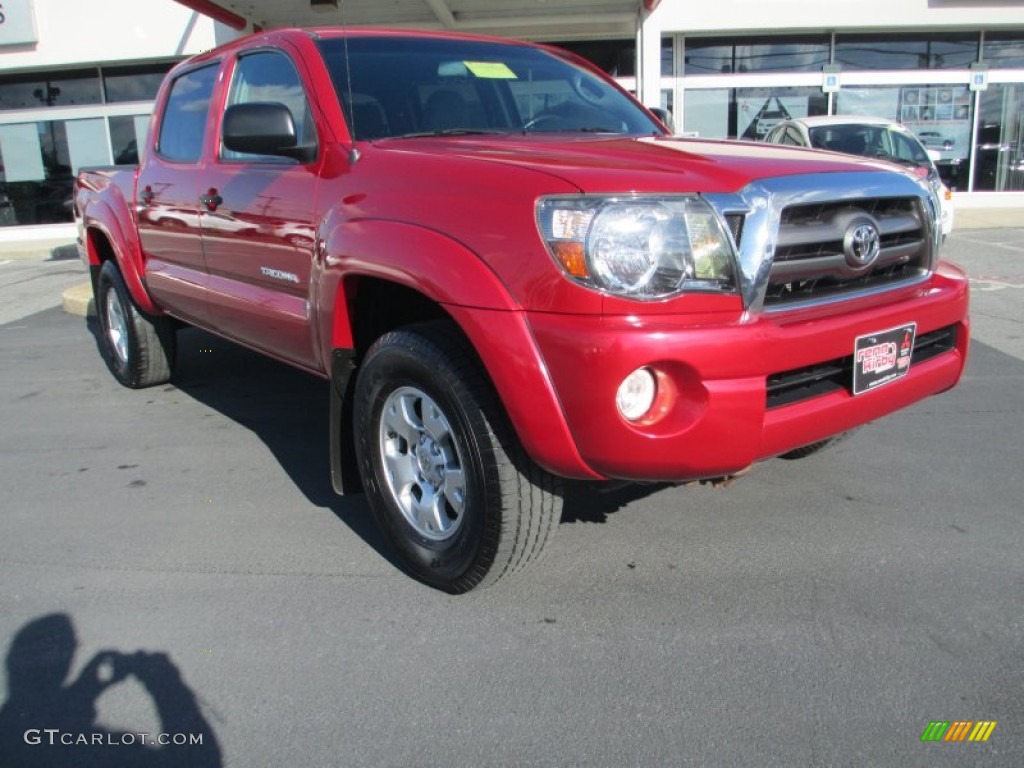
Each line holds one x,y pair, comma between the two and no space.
807,450
464,506
139,348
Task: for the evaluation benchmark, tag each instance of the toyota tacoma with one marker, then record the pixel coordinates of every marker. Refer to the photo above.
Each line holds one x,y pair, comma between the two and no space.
512,274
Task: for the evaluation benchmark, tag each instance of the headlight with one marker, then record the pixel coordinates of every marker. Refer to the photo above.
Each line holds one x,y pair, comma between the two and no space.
640,248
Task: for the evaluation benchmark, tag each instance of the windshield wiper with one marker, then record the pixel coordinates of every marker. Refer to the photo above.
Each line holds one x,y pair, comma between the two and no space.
897,160
448,132
583,129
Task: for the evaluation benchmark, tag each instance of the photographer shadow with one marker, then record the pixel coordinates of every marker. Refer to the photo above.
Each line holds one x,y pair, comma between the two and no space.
286,408
47,721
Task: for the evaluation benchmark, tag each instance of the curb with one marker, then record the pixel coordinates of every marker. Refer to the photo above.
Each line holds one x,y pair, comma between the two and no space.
77,300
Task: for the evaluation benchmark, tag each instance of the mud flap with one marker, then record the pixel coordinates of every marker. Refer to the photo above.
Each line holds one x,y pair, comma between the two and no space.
344,468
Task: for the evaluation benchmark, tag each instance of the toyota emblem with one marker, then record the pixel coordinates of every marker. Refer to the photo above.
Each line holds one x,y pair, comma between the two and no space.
861,244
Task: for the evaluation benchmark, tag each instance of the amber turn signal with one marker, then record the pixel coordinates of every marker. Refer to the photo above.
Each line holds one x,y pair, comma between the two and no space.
571,256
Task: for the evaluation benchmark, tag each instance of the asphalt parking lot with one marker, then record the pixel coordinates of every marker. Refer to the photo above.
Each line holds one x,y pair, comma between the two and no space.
173,560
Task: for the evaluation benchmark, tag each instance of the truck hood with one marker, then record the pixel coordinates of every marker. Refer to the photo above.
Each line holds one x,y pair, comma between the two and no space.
650,164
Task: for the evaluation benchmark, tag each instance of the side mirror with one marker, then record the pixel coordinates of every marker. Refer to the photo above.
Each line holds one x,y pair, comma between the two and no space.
264,128
665,117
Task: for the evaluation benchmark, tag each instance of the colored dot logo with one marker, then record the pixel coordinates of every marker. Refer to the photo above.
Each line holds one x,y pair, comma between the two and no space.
958,730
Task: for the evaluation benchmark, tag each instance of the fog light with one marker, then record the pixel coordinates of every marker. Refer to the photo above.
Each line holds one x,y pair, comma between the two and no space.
636,394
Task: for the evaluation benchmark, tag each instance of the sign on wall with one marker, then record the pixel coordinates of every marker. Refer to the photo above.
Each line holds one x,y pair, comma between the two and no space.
17,22
940,116
756,118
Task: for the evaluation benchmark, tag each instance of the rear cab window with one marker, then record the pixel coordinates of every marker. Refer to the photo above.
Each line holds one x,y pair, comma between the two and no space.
183,124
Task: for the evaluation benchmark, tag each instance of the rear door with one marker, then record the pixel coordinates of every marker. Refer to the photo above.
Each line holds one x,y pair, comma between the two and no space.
168,196
257,220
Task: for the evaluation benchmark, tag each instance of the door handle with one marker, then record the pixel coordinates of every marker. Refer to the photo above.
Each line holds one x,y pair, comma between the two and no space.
212,199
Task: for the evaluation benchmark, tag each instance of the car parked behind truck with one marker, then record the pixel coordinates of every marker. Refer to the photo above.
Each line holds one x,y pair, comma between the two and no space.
876,137
512,275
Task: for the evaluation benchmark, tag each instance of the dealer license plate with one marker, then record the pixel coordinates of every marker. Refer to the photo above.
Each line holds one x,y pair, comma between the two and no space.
881,358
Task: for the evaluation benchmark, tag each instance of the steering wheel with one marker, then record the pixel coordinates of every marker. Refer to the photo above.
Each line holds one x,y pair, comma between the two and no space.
531,125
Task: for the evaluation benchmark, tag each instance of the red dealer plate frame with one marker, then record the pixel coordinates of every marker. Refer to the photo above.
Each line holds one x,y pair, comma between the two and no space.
882,358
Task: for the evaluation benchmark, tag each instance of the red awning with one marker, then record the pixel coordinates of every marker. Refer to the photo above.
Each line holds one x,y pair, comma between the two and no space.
217,13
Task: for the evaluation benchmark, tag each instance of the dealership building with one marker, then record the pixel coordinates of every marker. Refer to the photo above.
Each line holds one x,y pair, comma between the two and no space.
77,80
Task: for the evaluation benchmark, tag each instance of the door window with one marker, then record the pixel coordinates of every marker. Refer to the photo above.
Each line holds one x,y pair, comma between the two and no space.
270,76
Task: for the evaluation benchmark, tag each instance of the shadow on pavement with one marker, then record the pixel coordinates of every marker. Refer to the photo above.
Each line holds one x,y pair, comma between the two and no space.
48,720
283,406
593,503
288,410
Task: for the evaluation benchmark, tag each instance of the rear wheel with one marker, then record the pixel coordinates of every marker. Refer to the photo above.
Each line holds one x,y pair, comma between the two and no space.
139,348
448,482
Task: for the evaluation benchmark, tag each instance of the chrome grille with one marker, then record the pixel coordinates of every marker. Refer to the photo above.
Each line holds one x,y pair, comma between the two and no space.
811,261
793,236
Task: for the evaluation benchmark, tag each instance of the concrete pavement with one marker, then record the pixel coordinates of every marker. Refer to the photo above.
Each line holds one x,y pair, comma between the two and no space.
815,613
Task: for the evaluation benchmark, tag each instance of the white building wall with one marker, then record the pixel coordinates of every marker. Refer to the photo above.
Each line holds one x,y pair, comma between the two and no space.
75,32
766,16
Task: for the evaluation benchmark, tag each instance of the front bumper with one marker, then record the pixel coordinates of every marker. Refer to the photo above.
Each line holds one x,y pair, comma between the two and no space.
719,421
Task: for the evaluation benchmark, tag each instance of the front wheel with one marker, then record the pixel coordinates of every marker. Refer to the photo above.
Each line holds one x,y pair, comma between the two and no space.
139,348
448,482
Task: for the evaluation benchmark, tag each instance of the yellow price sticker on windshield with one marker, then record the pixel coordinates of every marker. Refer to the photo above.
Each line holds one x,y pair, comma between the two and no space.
491,70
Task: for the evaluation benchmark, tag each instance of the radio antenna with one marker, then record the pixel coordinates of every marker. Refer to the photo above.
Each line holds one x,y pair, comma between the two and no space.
350,114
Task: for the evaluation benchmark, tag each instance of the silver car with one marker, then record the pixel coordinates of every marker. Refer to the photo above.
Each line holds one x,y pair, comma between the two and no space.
868,137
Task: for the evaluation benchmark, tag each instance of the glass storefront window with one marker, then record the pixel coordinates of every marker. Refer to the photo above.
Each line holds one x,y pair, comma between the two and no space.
999,162
127,134
138,83
706,56
1004,50
758,110
747,113
907,51
617,57
71,87
57,89
706,113
939,115
38,163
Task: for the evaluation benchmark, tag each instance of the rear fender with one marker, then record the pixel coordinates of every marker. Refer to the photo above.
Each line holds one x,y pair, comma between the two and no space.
101,222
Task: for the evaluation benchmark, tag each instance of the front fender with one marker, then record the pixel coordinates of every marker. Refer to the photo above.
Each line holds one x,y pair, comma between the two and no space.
448,273
424,260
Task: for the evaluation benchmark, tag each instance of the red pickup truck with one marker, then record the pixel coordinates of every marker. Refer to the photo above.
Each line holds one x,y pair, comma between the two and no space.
511,274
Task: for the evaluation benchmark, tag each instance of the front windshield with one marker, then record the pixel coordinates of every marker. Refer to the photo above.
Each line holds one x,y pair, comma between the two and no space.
881,141
407,86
